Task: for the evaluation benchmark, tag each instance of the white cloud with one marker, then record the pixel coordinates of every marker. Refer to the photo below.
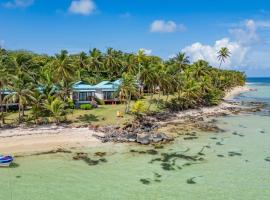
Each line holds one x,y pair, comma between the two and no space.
248,34
161,26
82,7
245,47
199,51
146,51
18,3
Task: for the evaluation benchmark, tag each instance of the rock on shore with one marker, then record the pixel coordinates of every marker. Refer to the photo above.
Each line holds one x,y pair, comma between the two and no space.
144,131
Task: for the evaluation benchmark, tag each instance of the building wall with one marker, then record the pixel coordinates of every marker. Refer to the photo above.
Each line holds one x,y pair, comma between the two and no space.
99,94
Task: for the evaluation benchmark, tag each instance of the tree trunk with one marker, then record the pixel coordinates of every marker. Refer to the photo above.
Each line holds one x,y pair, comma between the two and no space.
128,103
2,108
19,113
23,110
167,97
150,102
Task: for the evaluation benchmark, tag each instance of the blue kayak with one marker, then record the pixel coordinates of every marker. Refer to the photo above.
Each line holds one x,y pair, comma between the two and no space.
5,161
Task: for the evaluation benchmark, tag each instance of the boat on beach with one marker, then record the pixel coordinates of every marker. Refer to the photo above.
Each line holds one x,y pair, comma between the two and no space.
5,161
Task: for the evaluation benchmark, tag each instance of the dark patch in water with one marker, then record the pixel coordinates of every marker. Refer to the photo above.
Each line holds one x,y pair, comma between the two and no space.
168,160
242,126
191,180
201,154
14,165
59,150
213,138
103,160
157,175
187,164
158,146
145,181
89,161
190,138
235,133
233,153
167,166
219,143
267,159
150,151
100,154
18,176
167,157
220,155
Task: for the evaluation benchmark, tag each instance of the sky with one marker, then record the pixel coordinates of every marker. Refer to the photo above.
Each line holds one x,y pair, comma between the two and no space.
160,27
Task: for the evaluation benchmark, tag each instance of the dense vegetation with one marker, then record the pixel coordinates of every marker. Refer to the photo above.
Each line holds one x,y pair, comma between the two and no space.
179,84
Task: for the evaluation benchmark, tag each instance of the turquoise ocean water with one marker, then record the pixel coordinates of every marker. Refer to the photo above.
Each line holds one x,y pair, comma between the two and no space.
234,164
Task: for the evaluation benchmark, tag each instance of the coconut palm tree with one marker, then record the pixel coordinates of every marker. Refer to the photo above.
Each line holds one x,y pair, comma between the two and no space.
113,63
223,54
56,107
4,79
181,61
127,89
63,67
96,61
21,93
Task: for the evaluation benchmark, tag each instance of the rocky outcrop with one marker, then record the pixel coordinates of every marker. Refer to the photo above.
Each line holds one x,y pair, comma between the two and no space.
144,131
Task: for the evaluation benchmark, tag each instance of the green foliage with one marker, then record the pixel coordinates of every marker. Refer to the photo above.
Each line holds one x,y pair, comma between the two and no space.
189,85
138,108
57,109
213,97
86,107
70,103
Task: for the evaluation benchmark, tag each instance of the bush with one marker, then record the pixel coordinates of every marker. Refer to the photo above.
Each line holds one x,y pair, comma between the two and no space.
213,97
138,108
70,103
86,107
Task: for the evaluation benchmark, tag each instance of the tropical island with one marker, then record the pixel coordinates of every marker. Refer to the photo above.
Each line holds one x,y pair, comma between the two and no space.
93,91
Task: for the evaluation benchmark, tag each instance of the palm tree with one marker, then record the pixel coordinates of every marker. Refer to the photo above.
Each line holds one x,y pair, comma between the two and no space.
4,79
181,61
56,107
64,90
63,66
223,54
112,63
37,104
21,92
127,89
200,69
96,60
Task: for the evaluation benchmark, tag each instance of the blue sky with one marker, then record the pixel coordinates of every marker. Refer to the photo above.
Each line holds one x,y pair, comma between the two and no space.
163,28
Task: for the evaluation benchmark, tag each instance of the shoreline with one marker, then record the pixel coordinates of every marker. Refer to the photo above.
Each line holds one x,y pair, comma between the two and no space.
48,137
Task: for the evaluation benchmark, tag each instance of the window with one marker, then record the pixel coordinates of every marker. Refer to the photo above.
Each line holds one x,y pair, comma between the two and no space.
82,96
86,96
108,95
